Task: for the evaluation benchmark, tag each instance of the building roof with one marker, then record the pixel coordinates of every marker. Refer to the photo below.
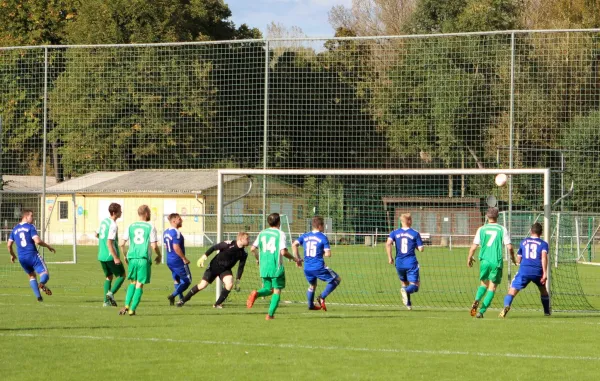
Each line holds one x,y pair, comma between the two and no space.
14,183
143,181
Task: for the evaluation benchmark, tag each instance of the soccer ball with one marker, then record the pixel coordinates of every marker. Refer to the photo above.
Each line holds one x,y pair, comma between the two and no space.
501,179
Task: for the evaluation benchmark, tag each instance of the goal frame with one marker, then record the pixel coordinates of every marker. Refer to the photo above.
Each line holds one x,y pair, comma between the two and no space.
545,172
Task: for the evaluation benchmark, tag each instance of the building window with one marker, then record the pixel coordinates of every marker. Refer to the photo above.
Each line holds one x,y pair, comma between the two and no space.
63,210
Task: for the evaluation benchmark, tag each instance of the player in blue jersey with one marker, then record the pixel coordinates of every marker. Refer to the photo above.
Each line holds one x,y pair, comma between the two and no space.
26,237
407,240
532,258
176,259
316,246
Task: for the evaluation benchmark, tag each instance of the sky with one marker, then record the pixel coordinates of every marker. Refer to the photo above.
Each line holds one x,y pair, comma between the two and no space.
309,15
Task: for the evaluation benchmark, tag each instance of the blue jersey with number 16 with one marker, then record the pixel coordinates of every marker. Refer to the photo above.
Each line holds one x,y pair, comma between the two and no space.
407,240
530,252
314,244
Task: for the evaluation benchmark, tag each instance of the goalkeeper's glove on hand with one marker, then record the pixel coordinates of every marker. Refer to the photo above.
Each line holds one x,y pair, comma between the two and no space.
201,260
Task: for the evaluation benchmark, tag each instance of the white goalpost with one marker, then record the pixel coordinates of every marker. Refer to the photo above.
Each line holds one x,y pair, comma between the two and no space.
545,173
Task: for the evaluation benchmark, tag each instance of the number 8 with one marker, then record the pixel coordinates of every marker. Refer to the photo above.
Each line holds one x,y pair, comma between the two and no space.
138,236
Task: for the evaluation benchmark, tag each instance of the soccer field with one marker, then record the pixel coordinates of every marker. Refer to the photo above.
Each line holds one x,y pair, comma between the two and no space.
71,336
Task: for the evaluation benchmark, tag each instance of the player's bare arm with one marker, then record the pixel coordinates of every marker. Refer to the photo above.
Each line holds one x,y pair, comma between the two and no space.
41,243
11,251
156,249
388,250
470,258
295,250
327,253
511,251
254,251
287,254
122,246
544,267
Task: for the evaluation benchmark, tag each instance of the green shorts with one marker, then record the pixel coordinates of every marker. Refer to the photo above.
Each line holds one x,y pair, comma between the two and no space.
139,270
278,282
489,271
110,268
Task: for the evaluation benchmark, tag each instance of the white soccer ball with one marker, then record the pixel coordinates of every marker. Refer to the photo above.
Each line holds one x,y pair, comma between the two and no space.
501,179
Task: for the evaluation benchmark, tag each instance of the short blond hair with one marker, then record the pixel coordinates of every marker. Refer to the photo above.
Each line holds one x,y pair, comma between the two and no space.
144,211
405,217
241,235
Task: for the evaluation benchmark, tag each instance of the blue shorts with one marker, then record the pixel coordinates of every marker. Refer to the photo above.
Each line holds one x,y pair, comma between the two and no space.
522,280
410,274
181,272
33,264
325,274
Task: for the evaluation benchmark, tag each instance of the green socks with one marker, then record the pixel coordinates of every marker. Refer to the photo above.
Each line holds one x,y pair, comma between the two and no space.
487,301
117,285
129,296
264,292
137,296
274,304
480,292
106,289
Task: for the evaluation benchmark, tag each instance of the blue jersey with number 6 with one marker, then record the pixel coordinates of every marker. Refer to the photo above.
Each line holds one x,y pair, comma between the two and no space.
530,252
314,243
407,240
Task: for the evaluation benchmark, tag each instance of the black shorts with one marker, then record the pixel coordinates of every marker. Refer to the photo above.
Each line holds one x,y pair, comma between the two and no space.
211,274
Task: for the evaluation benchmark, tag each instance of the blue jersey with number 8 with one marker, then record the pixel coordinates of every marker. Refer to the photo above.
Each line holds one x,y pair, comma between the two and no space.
530,252
314,244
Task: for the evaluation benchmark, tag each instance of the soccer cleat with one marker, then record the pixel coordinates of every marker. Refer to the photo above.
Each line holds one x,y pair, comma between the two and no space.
409,307
40,299
131,313
504,312
479,315
322,304
171,300
123,311
474,308
269,317
404,296
314,308
106,304
111,299
45,289
251,299
218,306
180,303
549,313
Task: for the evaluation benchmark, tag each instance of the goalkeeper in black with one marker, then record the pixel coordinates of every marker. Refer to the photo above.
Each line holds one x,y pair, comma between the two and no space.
230,253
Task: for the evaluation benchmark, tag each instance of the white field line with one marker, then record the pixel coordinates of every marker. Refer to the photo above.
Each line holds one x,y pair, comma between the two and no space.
309,347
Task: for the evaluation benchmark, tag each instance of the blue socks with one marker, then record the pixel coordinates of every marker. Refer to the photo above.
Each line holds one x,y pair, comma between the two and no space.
310,296
508,299
329,289
411,288
34,286
44,278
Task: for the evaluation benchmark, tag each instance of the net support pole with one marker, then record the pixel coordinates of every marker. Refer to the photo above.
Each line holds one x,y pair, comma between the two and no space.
265,133
220,177
44,142
547,218
511,140
557,240
73,198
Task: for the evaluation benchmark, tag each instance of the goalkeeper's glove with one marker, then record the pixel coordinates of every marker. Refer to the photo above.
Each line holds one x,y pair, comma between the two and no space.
201,260
237,285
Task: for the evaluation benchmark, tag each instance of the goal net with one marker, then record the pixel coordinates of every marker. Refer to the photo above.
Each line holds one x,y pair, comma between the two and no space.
447,207
55,218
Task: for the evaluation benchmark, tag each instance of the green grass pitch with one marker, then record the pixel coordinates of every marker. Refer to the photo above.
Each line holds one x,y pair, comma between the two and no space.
72,337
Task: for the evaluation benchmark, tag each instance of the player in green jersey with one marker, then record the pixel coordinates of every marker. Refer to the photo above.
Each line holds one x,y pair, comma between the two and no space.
109,255
490,237
143,240
269,249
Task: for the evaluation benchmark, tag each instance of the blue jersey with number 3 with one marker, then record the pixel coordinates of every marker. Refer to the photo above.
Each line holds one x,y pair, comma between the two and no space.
23,235
171,237
407,241
314,244
530,252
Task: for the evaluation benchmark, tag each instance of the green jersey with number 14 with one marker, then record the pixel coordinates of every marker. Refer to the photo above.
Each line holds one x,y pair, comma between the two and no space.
270,242
140,235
